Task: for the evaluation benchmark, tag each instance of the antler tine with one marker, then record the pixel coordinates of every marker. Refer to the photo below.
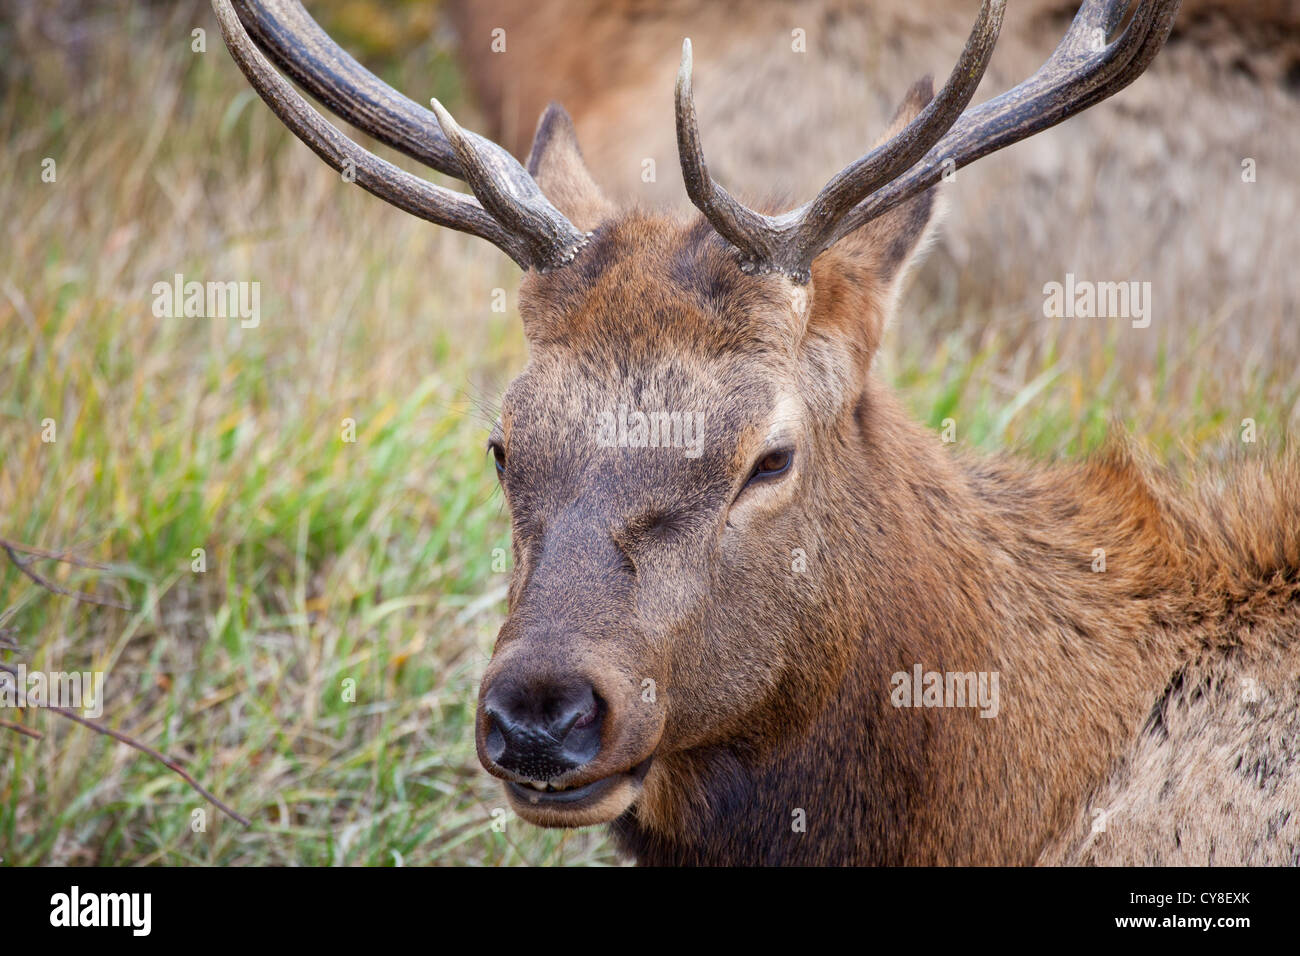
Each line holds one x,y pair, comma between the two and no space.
783,242
375,175
900,152
755,235
1082,71
1145,45
298,46
1092,18
518,219
507,192
1038,103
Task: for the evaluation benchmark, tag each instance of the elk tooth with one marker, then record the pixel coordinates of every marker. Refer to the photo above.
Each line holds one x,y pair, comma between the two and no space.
539,786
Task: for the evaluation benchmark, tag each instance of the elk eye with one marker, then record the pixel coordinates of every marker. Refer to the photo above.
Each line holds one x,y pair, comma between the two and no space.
499,457
771,465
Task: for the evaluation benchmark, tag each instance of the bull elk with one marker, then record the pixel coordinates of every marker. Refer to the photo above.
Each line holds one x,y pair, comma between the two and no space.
741,649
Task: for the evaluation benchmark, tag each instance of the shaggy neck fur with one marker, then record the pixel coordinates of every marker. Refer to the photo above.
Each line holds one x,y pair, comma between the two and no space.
999,576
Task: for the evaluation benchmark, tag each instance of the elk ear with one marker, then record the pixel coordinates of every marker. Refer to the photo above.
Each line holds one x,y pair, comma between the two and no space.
896,241
861,275
556,164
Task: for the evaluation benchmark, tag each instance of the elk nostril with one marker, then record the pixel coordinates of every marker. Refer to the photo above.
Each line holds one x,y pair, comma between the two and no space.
496,742
574,711
587,719
580,741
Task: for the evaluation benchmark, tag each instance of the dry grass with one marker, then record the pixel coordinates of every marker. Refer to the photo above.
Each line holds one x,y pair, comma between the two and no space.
327,561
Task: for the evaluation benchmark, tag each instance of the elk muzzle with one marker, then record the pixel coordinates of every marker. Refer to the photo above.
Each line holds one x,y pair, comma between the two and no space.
572,742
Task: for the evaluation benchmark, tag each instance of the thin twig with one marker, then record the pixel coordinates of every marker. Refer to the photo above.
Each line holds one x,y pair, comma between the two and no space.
66,557
12,548
165,761
117,735
19,728
51,586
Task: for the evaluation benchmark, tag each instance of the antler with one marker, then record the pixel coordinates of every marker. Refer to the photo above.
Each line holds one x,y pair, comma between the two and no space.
510,210
1083,70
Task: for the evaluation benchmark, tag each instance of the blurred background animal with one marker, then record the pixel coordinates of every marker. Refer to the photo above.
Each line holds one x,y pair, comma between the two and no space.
1187,180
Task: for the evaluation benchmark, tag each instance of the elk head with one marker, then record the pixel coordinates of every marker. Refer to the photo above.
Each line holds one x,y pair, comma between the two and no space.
696,409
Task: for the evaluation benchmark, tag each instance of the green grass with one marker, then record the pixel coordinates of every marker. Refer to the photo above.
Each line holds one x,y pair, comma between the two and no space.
329,564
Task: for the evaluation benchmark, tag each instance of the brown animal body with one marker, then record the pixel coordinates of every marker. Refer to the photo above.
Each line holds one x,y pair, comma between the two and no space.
1125,691
706,634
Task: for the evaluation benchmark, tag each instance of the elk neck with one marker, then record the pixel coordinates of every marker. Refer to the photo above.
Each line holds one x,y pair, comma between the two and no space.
956,564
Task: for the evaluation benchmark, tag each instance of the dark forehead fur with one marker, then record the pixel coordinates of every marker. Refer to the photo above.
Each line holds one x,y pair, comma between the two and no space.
647,282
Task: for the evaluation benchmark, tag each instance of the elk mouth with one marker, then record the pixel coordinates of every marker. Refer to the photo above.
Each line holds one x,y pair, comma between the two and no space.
548,805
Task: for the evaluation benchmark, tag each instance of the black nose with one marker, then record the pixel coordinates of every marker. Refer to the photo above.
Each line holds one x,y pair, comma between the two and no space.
541,728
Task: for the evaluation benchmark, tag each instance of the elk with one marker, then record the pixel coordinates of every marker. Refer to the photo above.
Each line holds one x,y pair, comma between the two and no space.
710,652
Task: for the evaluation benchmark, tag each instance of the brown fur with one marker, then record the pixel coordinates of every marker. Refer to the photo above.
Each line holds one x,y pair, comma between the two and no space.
1121,689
